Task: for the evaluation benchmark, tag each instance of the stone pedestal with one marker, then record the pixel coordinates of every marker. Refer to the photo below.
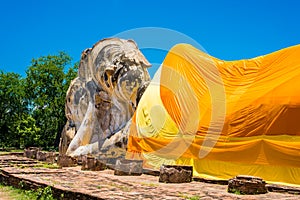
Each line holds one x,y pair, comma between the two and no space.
125,167
66,161
243,184
91,163
175,174
31,152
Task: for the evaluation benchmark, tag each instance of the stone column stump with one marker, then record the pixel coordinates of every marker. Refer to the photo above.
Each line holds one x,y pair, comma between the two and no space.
176,174
31,152
126,167
91,163
243,184
66,161
46,156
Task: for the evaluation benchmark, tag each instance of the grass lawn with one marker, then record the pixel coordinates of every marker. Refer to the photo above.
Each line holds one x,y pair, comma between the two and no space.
11,193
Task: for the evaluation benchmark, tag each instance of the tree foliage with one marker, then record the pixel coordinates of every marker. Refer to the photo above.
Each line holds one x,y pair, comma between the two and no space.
32,108
12,106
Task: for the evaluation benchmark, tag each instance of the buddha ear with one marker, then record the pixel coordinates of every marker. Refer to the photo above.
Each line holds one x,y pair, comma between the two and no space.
83,70
141,59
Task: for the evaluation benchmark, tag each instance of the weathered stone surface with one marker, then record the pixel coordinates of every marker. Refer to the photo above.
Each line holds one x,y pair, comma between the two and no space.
66,161
100,102
283,189
243,184
175,174
93,164
12,160
111,155
128,167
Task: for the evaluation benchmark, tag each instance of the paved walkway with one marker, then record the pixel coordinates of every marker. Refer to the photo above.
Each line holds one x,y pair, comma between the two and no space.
105,185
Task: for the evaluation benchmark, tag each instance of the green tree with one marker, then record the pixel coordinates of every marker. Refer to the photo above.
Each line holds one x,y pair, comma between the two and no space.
27,132
12,107
46,86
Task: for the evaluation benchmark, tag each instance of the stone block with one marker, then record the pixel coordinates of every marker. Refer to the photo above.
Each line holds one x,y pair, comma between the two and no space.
176,174
126,167
244,184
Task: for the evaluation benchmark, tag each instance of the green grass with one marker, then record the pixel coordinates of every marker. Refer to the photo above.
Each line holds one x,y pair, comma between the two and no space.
11,150
121,187
194,198
50,166
149,184
13,193
19,194
188,197
5,152
17,150
235,191
40,165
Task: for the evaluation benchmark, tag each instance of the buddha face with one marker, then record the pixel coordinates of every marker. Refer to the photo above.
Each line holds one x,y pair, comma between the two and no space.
121,69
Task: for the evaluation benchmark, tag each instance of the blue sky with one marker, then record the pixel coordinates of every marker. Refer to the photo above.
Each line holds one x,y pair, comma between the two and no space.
228,30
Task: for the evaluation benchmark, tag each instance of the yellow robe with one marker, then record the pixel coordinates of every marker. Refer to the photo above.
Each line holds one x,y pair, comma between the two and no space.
224,118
